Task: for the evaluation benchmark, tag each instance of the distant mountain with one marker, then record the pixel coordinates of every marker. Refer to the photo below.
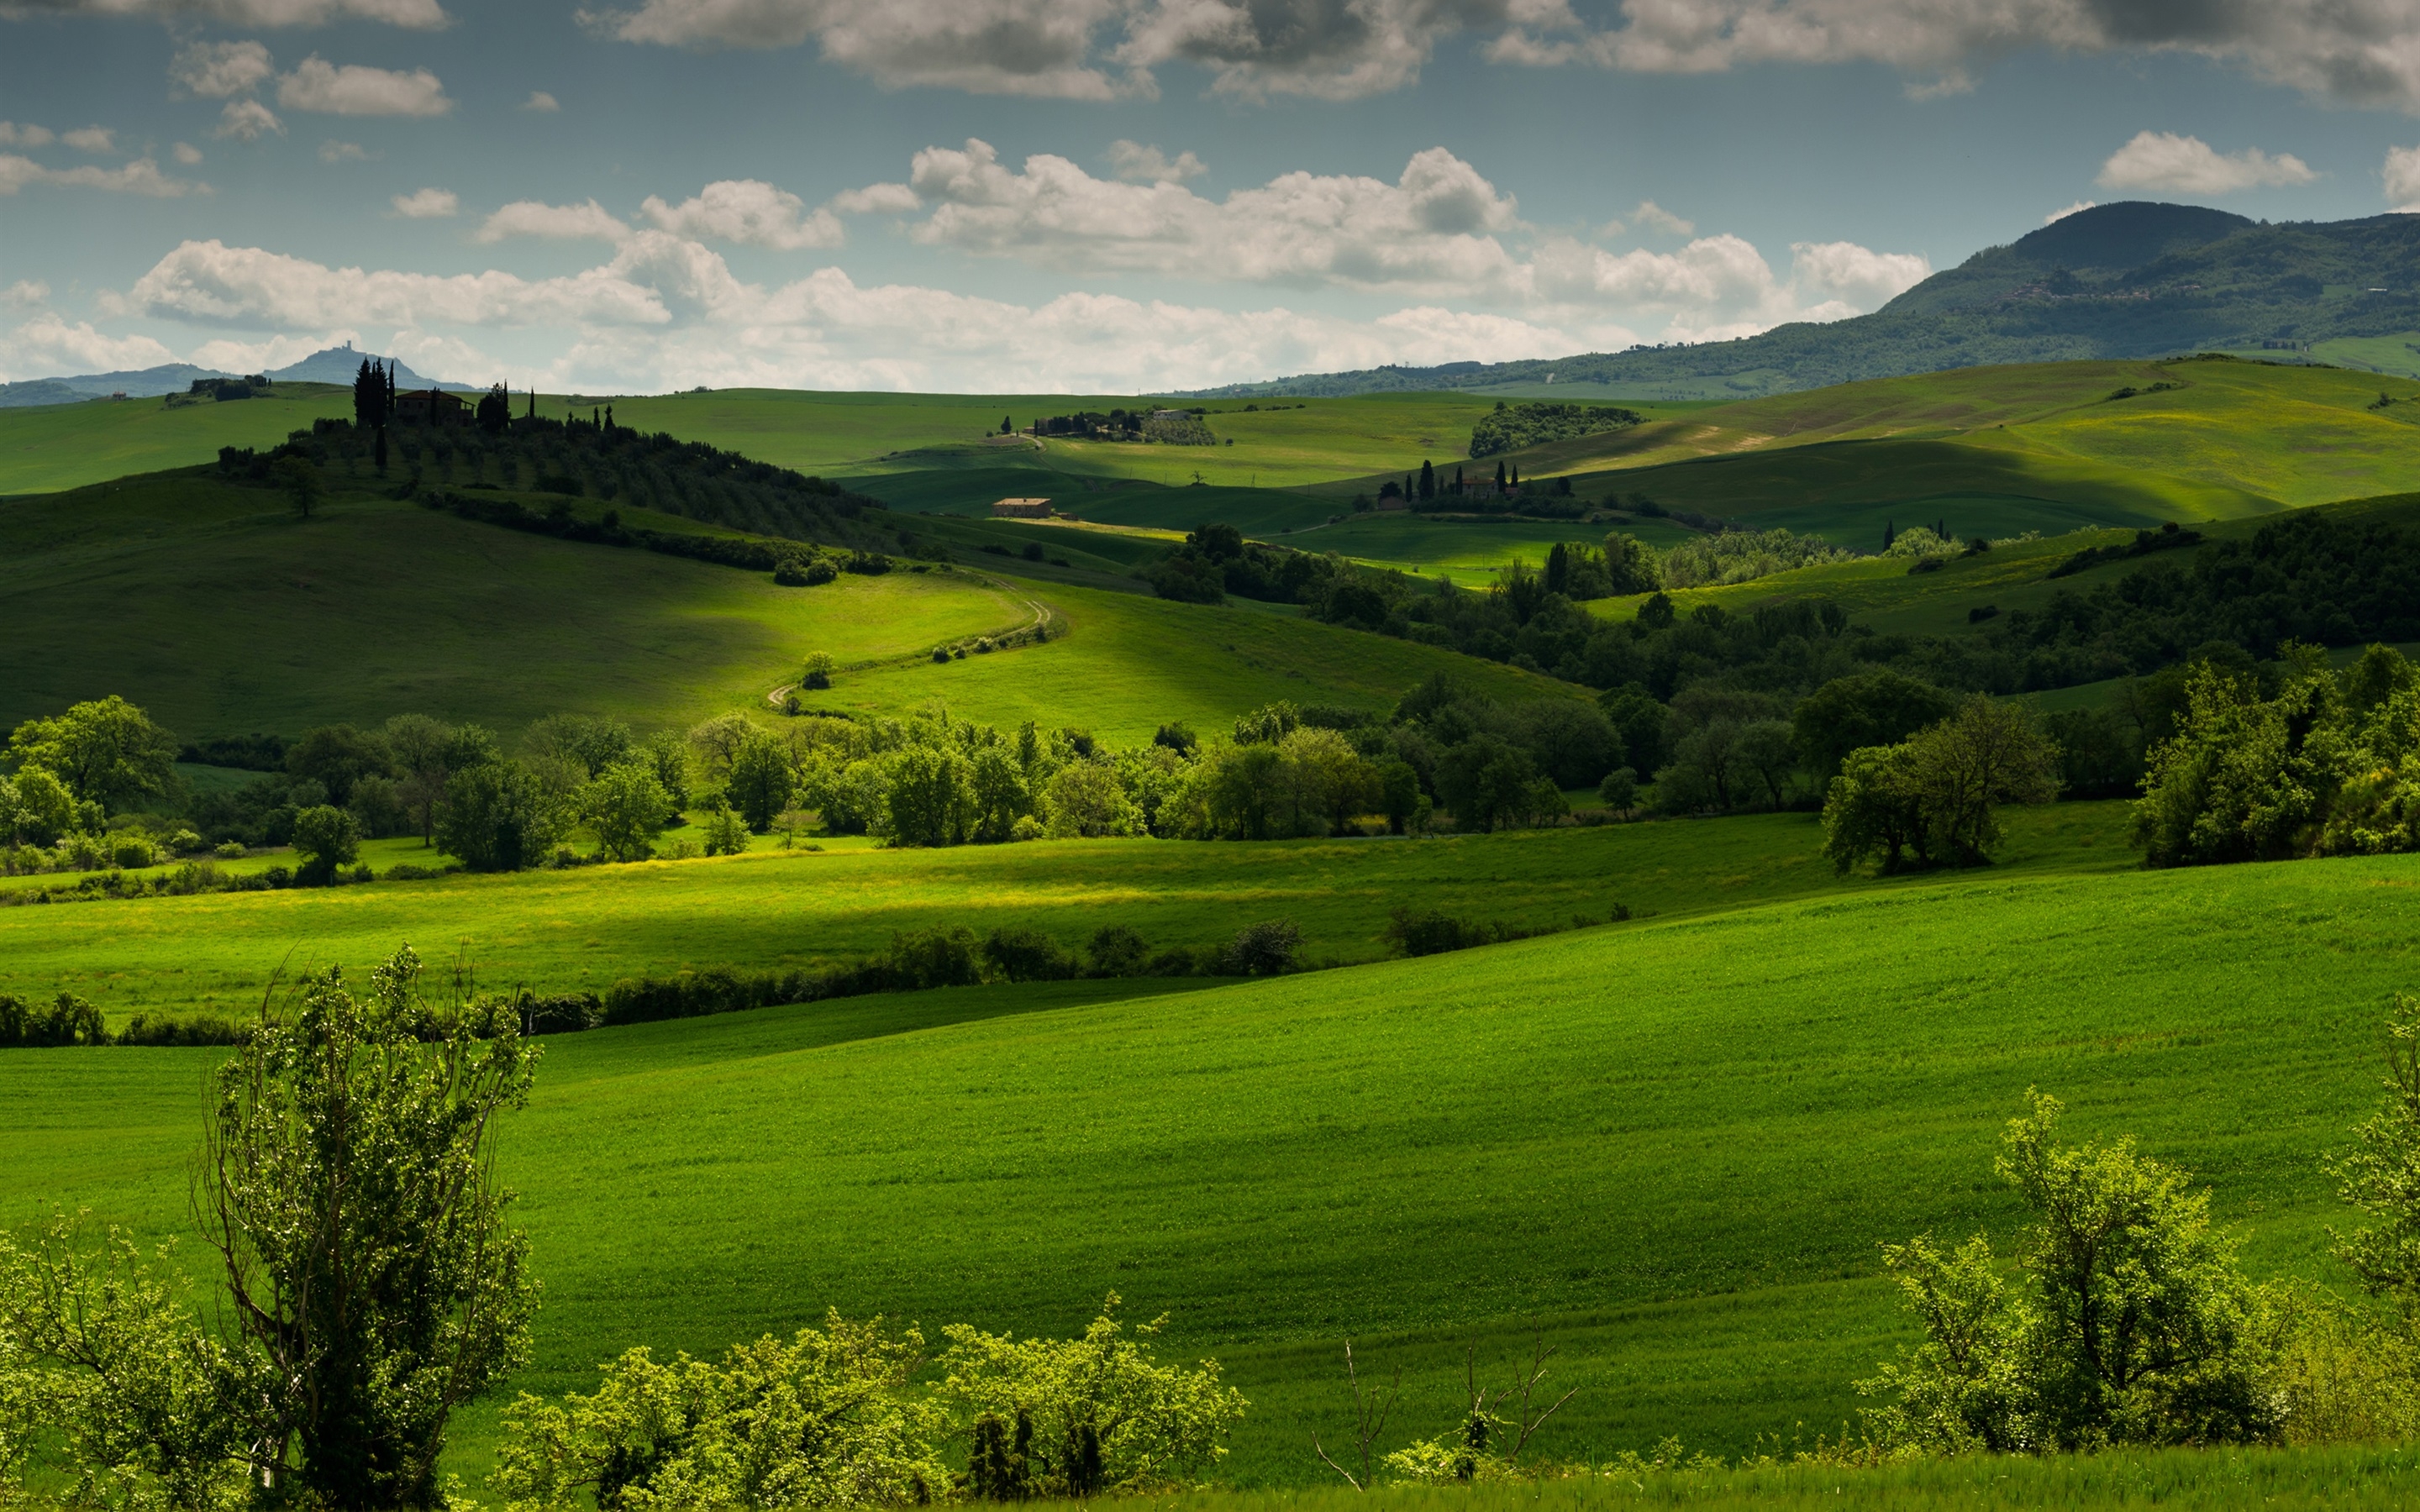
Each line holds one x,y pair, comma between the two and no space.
2119,281
337,365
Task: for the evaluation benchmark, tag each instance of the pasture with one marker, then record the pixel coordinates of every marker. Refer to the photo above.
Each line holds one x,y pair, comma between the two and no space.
1672,1144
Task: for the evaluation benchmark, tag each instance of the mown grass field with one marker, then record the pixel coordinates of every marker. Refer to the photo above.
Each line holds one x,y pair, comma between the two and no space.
781,909
222,613
1673,1143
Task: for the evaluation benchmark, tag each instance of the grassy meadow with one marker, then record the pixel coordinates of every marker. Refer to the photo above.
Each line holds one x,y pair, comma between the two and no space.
49,448
1673,1143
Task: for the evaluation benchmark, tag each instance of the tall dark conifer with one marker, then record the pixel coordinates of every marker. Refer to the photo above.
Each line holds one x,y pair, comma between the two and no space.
1428,480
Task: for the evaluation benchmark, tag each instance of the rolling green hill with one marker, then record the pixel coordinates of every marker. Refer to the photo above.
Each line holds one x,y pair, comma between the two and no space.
46,448
210,604
1672,1144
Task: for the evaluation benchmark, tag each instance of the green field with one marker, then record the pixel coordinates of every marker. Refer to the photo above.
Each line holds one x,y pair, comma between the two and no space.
374,607
1673,1143
45,448
777,909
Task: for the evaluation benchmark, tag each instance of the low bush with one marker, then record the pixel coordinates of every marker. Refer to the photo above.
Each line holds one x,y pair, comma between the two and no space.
1268,948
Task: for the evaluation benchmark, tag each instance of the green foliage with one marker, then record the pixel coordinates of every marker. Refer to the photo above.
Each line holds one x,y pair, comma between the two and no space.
1270,948
36,806
370,1273
725,832
1876,708
1743,556
2134,1326
2381,1174
1098,1413
1937,791
760,781
98,1355
326,838
498,816
68,1020
1510,427
627,806
826,1420
107,752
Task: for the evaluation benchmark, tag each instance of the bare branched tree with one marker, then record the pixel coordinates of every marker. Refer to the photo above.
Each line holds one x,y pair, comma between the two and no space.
1371,1408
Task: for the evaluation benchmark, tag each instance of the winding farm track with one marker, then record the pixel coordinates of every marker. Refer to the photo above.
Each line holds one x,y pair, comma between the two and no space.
1040,621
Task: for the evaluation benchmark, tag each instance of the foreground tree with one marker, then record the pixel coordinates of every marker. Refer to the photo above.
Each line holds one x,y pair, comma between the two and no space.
2133,1325
326,838
498,817
2381,1174
627,806
106,751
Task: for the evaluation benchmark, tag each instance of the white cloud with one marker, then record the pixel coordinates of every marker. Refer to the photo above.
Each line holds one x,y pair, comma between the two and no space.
2402,174
332,150
541,102
353,89
535,218
25,294
1851,274
1139,164
186,153
141,177
221,70
878,199
420,14
230,356
91,139
2189,165
2057,216
749,211
14,135
428,204
1433,230
246,121
46,347
210,283
1657,218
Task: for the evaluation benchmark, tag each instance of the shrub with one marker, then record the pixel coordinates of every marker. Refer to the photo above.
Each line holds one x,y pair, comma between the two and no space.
70,1019
1267,949
1027,955
1426,932
936,958
131,852
1619,789
326,838
790,574
820,573
184,842
1116,951
1175,961
230,850
143,1029
725,832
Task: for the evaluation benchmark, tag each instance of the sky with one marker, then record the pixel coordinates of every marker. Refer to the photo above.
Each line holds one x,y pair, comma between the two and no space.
1108,197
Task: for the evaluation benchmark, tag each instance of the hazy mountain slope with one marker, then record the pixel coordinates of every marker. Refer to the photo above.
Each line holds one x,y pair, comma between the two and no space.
2116,281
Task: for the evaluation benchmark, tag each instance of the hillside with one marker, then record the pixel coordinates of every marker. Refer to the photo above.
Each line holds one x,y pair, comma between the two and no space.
1681,1180
333,365
2129,280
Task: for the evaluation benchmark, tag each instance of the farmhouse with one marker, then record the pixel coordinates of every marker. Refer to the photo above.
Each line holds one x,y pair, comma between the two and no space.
1022,509
432,407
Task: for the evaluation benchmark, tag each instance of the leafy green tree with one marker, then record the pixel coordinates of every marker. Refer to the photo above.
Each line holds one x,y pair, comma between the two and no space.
326,838
1629,566
726,833
2244,779
1872,810
589,743
1000,793
718,742
929,799
1990,752
761,781
627,806
1267,949
2133,1324
299,482
349,1191
667,756
1085,800
1485,782
827,1420
1102,1414
1875,708
98,1353
107,752
2381,1174
1116,951
421,749
1399,792
1639,721
336,756
36,808
498,817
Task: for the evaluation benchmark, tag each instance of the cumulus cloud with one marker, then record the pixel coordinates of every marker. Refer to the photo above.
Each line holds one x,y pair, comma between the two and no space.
25,294
878,199
1852,275
541,102
1434,228
2402,175
1657,218
141,177
1139,164
246,121
749,211
249,287
428,204
221,70
186,153
535,218
332,150
91,139
2189,165
47,345
232,356
14,135
354,90
2057,216
425,15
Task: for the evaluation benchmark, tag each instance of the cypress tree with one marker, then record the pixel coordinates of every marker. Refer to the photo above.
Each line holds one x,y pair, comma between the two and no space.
1428,480
1890,533
1516,474
1500,477
1457,479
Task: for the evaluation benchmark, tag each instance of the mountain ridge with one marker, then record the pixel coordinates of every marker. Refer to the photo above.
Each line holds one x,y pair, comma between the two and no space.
2130,280
330,365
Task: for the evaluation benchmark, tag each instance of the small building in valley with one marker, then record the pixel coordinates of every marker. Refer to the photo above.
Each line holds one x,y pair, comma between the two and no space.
1022,509
432,407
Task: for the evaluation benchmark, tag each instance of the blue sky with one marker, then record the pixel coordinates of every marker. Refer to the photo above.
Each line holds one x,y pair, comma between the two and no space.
1110,195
